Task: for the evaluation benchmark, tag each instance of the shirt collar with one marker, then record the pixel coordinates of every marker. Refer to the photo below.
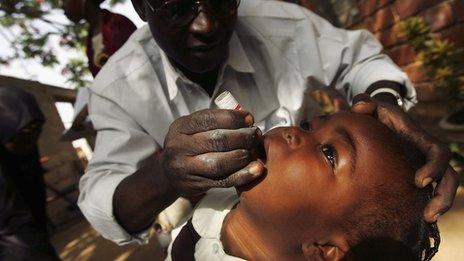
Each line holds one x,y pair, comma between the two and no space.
237,60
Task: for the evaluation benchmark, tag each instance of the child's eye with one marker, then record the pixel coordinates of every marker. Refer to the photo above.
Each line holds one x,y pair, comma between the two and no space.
329,153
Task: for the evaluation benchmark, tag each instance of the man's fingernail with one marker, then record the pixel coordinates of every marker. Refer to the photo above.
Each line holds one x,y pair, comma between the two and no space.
426,182
249,120
437,216
255,169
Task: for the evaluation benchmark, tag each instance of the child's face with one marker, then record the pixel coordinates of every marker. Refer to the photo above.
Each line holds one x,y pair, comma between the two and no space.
317,177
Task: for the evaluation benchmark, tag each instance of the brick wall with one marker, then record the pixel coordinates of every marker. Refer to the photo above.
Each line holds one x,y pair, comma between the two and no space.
381,17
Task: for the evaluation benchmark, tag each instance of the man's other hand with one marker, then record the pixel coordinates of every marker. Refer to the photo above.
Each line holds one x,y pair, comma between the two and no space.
437,167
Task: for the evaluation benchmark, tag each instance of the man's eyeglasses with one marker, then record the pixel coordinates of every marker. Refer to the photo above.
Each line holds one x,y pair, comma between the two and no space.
181,12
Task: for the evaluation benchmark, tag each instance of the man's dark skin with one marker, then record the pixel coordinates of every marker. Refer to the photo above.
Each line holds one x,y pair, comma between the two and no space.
212,148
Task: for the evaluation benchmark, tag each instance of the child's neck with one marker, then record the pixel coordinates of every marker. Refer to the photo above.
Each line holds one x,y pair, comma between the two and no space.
240,238
244,238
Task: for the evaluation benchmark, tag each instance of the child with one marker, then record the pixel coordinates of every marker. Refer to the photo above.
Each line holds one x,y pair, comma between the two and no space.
343,188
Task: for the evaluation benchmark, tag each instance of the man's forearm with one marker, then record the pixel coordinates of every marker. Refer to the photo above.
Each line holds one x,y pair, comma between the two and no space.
141,196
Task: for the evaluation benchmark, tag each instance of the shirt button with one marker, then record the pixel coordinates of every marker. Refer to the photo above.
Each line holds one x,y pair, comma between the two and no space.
215,248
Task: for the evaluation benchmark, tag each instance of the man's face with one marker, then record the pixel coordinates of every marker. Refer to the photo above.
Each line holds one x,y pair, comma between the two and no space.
320,175
199,46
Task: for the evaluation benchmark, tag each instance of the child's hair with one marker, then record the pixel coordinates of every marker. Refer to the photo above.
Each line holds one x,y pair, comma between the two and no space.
390,220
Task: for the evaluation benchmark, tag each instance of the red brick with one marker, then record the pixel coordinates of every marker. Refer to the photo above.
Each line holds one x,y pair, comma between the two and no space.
363,24
309,5
426,92
407,8
389,37
439,17
416,73
368,7
426,4
402,55
383,19
458,10
369,23
454,34
382,3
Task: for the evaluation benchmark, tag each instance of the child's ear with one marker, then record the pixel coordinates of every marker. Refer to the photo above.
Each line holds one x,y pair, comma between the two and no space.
329,250
139,7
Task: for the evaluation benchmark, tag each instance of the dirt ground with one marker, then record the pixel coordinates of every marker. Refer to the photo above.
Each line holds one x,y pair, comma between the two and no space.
81,242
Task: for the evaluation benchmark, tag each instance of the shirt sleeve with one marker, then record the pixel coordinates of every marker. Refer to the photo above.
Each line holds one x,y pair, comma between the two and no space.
353,60
120,148
372,66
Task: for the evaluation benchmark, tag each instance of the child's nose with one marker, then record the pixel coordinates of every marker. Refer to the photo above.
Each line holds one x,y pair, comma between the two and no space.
293,136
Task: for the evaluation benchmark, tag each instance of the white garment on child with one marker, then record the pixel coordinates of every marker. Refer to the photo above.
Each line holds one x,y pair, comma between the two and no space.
207,221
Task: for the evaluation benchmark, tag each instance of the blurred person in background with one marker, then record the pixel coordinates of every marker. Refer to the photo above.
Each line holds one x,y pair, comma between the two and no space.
21,122
107,31
21,236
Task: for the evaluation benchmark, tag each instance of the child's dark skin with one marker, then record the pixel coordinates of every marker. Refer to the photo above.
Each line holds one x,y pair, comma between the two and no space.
314,181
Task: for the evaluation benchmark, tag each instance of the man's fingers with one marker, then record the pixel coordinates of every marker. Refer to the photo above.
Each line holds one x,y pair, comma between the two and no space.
240,178
218,165
443,196
206,120
398,121
363,104
437,162
221,140
437,154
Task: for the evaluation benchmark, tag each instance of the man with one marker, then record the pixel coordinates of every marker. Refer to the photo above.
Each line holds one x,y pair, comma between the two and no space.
157,142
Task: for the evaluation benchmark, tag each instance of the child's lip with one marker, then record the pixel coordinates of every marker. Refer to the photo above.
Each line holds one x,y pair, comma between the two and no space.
263,149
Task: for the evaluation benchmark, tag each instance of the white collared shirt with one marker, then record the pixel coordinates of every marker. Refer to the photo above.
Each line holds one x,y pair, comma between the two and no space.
207,220
278,52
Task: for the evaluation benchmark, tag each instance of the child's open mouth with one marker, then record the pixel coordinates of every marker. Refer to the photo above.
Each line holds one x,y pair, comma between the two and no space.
260,152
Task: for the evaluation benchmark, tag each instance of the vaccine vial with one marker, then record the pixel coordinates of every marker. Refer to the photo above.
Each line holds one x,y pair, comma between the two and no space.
227,101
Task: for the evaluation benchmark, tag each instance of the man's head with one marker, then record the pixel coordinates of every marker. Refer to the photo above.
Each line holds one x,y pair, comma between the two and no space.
75,9
345,180
194,35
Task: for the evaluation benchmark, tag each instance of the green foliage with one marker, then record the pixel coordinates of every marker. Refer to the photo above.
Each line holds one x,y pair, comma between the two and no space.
441,59
75,69
28,27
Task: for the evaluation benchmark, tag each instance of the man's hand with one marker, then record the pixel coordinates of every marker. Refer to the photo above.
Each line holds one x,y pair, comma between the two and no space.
208,149
438,155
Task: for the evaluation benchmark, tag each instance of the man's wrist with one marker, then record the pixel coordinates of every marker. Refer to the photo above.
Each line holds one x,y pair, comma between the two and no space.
387,92
386,98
